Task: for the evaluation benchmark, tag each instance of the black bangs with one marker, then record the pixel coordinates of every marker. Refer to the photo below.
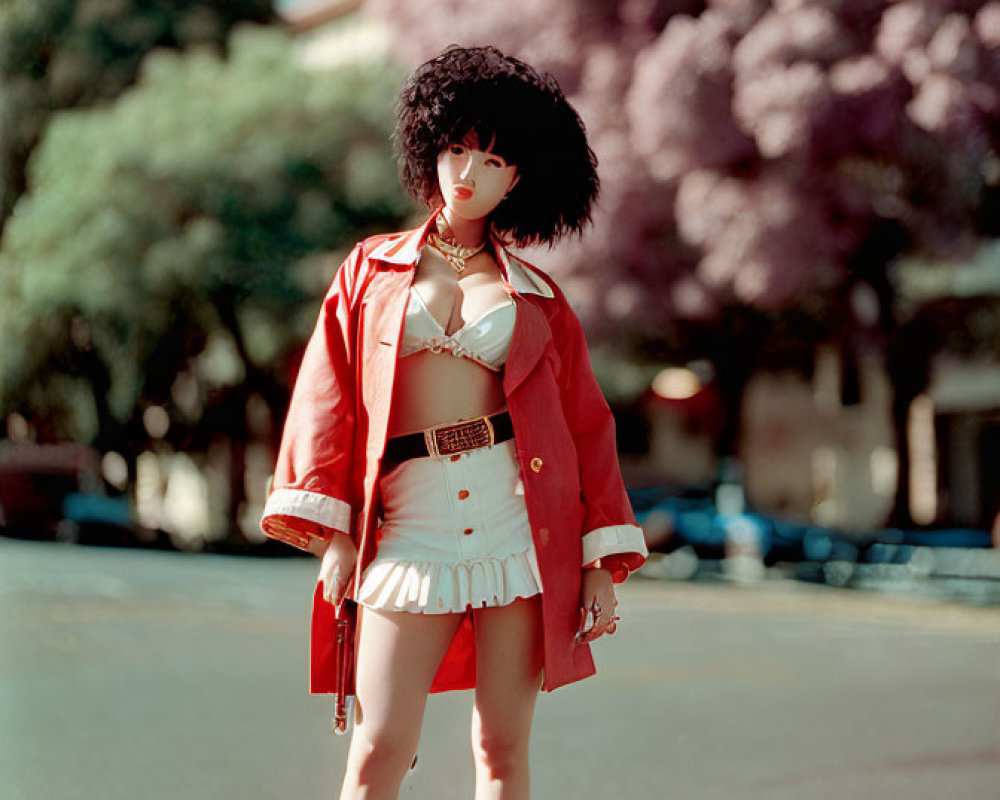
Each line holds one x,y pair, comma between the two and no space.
525,115
489,136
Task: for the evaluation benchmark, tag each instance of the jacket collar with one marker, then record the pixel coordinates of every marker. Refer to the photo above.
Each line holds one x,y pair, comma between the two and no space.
403,249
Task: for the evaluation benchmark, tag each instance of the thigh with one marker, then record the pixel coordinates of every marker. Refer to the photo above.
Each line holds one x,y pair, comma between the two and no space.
398,653
508,669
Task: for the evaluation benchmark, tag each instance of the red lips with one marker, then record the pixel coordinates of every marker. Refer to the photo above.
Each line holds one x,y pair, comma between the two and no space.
462,192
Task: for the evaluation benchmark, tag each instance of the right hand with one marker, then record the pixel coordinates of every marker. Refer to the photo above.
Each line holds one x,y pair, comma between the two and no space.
338,564
596,589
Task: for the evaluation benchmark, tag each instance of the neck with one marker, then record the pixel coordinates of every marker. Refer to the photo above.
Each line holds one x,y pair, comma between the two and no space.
467,232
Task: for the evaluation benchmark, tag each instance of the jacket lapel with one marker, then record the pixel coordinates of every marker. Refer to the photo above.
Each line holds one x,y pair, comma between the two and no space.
531,327
381,321
531,336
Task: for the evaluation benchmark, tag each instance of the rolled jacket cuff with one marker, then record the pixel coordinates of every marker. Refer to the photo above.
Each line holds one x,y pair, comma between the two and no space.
613,540
286,509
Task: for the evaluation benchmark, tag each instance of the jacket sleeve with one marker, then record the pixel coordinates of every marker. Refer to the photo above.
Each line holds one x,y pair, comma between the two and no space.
611,537
309,495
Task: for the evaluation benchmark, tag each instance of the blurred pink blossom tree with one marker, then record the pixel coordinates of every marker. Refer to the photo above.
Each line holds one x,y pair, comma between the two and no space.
759,160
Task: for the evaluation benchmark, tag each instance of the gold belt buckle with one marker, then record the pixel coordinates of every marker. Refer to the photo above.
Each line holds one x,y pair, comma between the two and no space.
443,440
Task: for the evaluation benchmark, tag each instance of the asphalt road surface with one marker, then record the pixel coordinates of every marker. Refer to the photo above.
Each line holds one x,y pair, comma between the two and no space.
143,675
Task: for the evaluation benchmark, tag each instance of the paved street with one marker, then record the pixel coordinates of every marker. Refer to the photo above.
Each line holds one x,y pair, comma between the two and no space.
154,675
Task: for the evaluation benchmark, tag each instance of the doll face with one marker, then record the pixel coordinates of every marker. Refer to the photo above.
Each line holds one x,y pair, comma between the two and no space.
473,181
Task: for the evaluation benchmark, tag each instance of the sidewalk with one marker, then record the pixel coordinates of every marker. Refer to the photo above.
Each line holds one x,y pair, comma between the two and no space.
781,593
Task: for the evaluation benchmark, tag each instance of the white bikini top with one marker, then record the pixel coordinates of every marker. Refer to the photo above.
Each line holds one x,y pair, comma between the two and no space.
486,339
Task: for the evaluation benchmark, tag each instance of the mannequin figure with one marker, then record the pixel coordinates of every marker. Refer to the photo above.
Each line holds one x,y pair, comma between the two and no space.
447,452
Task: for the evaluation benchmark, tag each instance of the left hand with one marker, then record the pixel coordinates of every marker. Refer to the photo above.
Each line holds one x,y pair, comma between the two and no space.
596,591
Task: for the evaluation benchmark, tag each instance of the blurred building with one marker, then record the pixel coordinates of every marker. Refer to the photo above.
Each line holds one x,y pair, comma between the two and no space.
965,426
806,455
331,32
810,456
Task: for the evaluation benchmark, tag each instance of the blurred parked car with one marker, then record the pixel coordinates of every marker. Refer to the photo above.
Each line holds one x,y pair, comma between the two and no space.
57,492
674,519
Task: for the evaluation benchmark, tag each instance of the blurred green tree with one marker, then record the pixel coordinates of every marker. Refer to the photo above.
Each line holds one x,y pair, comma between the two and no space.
58,54
173,245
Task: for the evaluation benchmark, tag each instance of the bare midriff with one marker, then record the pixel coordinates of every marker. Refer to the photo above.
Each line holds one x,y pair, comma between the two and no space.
439,388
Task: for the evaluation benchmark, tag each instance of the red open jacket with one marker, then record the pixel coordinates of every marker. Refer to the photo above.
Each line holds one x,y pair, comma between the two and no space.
335,434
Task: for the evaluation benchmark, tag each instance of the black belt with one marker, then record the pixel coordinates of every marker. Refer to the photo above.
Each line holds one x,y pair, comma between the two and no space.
443,440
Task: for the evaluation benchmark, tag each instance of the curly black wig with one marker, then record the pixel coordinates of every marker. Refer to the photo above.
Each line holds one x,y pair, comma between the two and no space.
481,90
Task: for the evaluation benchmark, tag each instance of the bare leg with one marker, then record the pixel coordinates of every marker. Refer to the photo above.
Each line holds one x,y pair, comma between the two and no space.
508,677
398,654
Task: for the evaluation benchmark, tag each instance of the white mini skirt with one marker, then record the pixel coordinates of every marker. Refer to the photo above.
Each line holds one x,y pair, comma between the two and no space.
455,535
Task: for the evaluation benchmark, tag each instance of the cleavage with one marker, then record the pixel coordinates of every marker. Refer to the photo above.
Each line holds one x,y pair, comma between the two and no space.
459,296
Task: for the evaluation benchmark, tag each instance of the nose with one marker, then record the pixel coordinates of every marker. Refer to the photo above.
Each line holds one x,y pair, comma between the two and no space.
466,172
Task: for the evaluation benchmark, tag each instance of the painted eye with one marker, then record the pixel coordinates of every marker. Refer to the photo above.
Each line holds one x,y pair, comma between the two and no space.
494,162
456,149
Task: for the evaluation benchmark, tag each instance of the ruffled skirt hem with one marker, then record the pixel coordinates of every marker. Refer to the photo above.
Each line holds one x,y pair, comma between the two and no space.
432,587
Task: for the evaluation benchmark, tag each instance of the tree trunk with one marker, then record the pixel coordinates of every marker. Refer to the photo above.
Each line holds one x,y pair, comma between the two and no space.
733,351
237,485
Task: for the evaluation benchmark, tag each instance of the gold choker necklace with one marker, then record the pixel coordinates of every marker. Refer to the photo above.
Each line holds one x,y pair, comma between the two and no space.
454,253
